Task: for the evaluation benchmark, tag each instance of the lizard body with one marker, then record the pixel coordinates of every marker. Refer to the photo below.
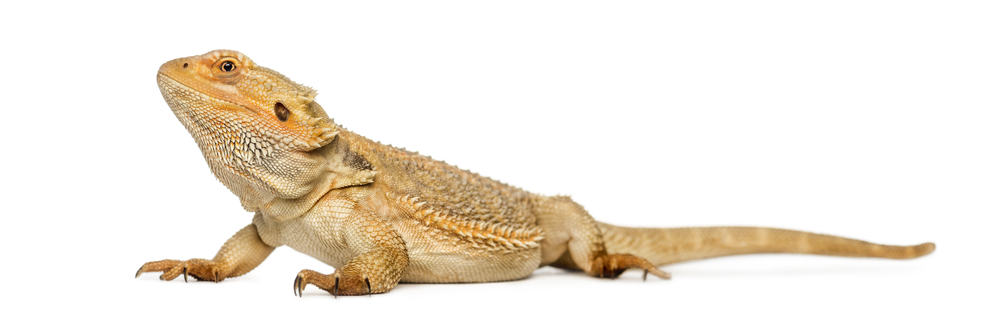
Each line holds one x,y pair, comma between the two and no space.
381,215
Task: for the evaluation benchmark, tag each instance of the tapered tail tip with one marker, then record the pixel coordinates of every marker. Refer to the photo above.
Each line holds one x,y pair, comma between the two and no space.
923,249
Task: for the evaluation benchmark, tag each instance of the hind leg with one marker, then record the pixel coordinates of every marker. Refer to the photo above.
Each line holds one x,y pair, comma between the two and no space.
574,241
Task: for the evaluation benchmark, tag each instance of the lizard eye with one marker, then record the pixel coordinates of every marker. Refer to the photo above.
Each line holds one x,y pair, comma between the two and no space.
227,66
281,111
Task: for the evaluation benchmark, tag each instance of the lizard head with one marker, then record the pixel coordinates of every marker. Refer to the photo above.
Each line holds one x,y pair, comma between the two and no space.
227,85
246,119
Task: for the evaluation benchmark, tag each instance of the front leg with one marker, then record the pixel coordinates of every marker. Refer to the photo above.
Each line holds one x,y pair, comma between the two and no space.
377,270
240,254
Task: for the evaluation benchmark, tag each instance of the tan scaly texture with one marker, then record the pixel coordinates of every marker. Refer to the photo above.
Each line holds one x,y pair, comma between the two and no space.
381,215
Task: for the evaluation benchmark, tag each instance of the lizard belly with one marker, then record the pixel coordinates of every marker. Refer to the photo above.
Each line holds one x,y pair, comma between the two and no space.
438,256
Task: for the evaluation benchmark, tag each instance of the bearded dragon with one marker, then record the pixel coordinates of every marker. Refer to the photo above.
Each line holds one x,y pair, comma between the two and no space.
382,215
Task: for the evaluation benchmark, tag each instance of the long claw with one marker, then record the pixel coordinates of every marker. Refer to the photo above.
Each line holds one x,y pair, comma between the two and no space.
299,286
216,276
185,274
138,272
369,285
336,285
302,285
644,273
659,273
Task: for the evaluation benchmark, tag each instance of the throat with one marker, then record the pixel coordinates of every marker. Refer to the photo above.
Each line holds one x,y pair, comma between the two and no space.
331,167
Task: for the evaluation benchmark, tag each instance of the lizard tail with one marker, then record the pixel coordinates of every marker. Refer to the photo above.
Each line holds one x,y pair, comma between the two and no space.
670,245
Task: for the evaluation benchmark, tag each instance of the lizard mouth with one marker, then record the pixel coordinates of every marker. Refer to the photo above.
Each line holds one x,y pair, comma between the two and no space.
169,85
162,80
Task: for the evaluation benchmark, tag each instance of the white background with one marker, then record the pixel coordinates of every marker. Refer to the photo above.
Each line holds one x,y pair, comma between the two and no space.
871,119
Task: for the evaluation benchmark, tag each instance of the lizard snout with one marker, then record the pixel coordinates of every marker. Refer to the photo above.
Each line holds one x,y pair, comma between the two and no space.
176,67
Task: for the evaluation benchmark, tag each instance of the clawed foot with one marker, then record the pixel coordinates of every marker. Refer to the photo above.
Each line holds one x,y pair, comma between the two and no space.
613,265
338,283
201,269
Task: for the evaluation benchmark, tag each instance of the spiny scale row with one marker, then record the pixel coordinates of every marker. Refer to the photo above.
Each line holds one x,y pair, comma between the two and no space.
498,234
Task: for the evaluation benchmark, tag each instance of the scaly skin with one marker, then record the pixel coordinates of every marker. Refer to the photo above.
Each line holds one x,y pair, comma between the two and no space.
381,215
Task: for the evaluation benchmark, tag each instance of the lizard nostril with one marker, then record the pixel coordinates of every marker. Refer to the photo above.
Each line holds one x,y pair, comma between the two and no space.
185,65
